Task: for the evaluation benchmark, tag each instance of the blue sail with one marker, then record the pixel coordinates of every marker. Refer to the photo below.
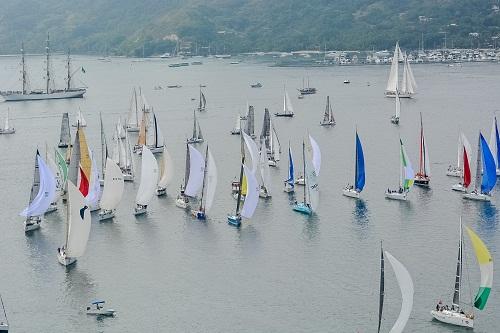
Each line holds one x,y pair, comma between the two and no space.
489,168
497,139
360,166
290,179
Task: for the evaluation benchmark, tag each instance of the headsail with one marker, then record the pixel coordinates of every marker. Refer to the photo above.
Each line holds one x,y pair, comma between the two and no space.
316,155
196,171
79,223
381,288
149,177
392,83
408,174
489,178
359,177
94,192
167,168
211,181
290,179
113,186
253,150
252,196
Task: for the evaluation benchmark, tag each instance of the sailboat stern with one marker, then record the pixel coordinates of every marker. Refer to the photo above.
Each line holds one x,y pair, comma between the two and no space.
453,317
234,220
32,223
63,258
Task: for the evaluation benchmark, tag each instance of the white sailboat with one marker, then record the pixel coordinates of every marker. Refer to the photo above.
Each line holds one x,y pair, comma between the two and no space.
65,137
43,192
113,190
287,106
406,177
196,172
133,121
197,136
494,144
456,170
328,119
464,154
182,200
7,128
237,127
397,112
149,179
77,227
166,172
208,187
80,120
408,85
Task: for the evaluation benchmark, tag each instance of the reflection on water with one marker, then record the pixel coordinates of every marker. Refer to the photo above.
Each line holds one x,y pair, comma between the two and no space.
311,226
487,219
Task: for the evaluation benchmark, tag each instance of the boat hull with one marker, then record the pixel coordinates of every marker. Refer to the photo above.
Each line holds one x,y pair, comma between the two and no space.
101,312
300,181
272,163
392,94
234,220
128,177
181,202
459,188
64,260
329,123
195,140
453,318
454,172
106,215
401,196
288,188
477,196
235,132
52,208
302,208
289,115
32,223
422,181
7,131
132,129
351,193
17,97
140,210
199,214
161,191
395,120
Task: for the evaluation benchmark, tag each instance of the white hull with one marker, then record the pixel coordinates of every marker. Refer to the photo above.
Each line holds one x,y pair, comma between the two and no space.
32,223
132,129
101,182
64,260
140,210
101,312
263,194
52,208
7,131
300,181
453,318
477,196
15,97
154,150
396,195
392,94
181,203
195,140
395,120
106,215
272,163
351,193
128,177
459,188
329,123
454,172
161,191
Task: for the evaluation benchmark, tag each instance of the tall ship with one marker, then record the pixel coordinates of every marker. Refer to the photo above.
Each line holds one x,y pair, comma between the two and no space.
49,92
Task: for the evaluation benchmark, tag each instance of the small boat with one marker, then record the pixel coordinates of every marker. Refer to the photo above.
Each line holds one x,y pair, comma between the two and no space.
96,309
43,193
80,121
112,192
234,62
196,63
4,323
289,183
408,84
182,200
456,170
455,314
174,86
310,199
328,119
7,129
354,191
287,107
133,121
347,81
494,144
486,176
395,118
208,187
307,90
406,286
465,173
300,96
406,177
423,176
166,172
256,85
65,137
237,127
149,180
202,104
197,136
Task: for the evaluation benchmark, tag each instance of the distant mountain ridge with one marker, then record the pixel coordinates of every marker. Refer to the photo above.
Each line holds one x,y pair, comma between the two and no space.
127,27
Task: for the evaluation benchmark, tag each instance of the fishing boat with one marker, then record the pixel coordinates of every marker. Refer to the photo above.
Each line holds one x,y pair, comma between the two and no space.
208,187
406,286
310,197
354,191
287,106
104,151
465,173
182,200
202,102
43,192
264,173
423,176
197,136
237,127
112,192
96,308
406,177
26,94
65,137
397,113
495,144
456,170
455,314
251,199
408,84
328,119
149,179
80,120
166,172
77,227
307,90
7,128
289,182
133,114
486,176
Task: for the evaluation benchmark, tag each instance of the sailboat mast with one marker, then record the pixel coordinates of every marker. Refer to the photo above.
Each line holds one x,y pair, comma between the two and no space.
478,164
136,108
156,130
104,148
304,168
458,276
238,199
68,67
381,292
422,156
23,70
401,181
186,174
194,125
204,179
47,68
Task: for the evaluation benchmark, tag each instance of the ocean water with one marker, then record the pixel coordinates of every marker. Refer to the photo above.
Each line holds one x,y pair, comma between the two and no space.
281,271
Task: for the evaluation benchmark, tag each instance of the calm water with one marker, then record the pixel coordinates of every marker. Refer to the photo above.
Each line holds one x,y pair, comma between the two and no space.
281,271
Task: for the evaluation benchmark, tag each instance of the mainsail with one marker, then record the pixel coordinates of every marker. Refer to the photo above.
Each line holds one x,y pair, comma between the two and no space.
316,155
392,83
149,177
65,137
489,178
211,175
78,223
359,176
196,172
166,168
113,186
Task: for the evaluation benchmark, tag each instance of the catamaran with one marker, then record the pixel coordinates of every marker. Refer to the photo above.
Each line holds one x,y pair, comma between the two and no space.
166,172
310,199
423,176
43,192
237,127
328,119
486,167
26,94
65,137
397,113
113,190
287,106
182,200
80,121
77,227
149,179
202,105
7,128
290,182
406,286
208,187
408,85
495,144
454,314
406,177
133,121
354,191
197,136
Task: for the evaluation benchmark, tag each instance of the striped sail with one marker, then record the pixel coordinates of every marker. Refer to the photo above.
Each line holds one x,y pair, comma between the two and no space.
485,265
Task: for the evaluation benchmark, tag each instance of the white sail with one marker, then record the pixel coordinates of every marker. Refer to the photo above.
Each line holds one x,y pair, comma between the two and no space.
276,146
6,126
78,223
406,285
427,162
493,141
410,77
46,191
196,172
57,175
312,187
211,181
122,153
159,139
167,169
392,82
287,104
316,155
80,121
115,155
408,83
398,105
113,186
133,112
464,144
253,150
149,177
237,126
92,197
252,197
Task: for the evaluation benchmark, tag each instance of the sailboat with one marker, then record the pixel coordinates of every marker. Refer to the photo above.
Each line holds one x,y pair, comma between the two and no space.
196,172
328,119
289,182
166,172
407,88
113,190
485,165
120,130
265,176
354,191
77,227
133,114
454,314
495,144
287,106
143,131
43,192
93,196
406,177
80,121
310,199
397,114
208,186
7,129
456,170
465,174
65,137
423,176
250,122
202,102
197,135
122,155
26,94
406,286
237,127
155,139
307,90
271,140
182,200
104,151
149,179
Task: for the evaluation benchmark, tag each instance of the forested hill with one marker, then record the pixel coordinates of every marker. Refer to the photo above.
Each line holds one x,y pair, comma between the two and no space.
127,27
